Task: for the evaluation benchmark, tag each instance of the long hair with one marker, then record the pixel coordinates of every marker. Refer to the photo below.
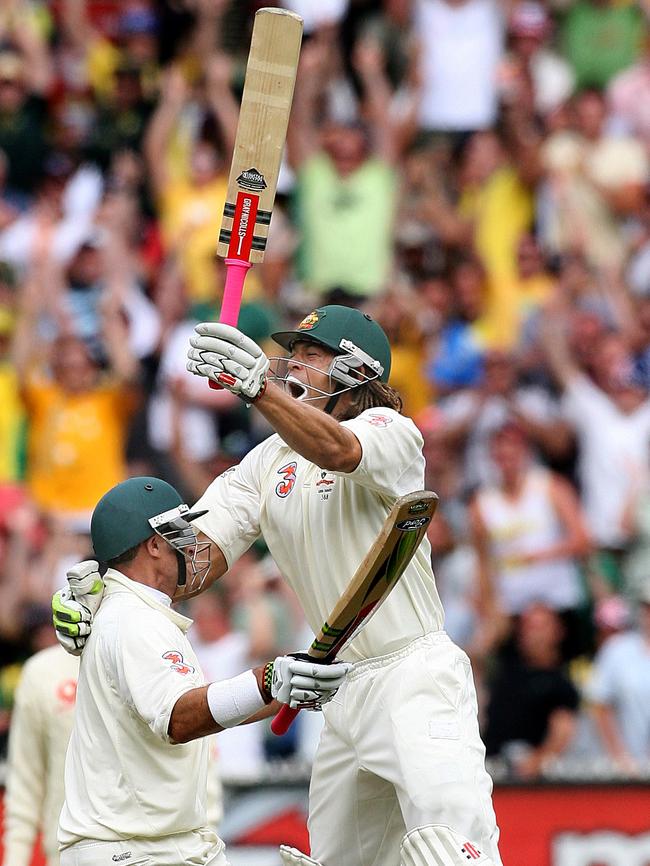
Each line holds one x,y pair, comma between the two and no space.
371,395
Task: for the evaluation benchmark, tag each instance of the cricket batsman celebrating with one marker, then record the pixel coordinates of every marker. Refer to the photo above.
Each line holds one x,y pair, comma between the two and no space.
399,776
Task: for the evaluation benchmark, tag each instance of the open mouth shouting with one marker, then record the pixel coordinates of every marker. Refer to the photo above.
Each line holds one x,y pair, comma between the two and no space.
296,388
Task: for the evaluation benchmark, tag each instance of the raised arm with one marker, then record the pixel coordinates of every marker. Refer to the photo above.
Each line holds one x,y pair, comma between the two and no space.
369,62
173,98
302,134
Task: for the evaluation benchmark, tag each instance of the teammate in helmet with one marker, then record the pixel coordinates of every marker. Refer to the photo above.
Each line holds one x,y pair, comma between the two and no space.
136,766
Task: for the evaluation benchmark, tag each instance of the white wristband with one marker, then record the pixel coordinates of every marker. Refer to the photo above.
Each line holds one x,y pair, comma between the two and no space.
232,701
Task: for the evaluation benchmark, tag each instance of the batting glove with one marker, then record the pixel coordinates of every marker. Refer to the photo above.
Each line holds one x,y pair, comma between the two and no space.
306,685
72,621
74,607
229,358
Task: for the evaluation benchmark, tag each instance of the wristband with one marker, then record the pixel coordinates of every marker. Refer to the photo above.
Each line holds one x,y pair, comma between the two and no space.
267,681
235,700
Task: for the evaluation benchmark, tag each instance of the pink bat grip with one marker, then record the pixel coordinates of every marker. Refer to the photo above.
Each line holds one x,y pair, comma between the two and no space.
236,271
282,722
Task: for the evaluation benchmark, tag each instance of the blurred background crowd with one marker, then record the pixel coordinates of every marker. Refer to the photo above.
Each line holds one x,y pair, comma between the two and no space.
475,174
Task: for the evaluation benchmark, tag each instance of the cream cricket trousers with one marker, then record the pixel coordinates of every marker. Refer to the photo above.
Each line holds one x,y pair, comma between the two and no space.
196,848
400,749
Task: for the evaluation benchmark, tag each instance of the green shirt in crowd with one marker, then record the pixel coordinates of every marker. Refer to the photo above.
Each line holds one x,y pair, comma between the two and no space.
601,39
347,225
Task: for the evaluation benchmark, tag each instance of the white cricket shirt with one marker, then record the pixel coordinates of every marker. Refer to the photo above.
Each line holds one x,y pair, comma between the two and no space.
123,775
41,723
319,525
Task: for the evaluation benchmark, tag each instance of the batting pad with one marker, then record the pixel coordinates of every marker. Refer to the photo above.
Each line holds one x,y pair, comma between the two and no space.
438,845
293,857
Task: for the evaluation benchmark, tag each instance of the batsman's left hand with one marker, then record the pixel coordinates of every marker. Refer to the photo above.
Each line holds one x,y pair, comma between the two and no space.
229,358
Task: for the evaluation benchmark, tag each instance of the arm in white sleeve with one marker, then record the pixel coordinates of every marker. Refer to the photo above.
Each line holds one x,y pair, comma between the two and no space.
233,504
391,462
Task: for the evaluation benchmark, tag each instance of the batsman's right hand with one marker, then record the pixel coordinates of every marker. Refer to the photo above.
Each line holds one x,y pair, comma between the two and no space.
74,606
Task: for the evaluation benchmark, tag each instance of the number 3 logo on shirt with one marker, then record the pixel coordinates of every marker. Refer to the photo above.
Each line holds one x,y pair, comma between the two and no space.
288,472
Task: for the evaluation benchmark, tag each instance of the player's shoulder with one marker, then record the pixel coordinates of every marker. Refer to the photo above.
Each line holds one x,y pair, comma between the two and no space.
383,418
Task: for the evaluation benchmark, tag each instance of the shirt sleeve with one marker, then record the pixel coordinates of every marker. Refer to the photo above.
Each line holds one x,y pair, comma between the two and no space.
233,505
601,687
26,773
153,667
582,402
391,460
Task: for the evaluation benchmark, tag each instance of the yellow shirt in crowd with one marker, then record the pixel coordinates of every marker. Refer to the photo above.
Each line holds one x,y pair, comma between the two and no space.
502,210
191,218
76,443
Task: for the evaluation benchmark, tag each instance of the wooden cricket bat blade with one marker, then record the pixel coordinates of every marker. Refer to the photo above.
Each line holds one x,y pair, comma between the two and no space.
375,578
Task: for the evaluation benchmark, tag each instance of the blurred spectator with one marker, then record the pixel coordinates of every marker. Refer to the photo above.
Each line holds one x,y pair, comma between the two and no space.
346,181
594,180
620,692
472,416
25,77
496,199
190,202
41,725
628,98
529,533
462,42
531,56
601,38
101,59
610,413
225,652
531,715
78,416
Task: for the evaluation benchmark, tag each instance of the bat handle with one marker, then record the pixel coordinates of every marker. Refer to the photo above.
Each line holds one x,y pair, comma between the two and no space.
282,722
236,271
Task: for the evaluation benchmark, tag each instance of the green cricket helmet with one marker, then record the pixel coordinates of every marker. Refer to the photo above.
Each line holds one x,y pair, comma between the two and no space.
356,339
134,510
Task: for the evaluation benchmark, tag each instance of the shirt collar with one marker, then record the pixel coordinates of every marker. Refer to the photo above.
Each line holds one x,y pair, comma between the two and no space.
116,582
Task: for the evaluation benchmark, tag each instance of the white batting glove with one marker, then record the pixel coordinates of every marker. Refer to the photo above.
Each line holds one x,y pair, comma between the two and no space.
228,357
86,584
305,684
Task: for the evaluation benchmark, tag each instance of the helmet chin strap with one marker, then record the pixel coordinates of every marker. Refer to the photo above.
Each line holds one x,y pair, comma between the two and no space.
334,399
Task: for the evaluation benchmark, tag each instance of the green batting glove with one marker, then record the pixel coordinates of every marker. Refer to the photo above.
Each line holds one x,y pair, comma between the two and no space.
72,621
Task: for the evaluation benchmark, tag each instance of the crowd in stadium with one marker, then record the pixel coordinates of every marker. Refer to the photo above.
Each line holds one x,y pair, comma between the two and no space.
473,173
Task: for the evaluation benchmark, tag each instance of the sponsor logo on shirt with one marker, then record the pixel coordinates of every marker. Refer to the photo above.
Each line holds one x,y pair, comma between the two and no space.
66,693
378,420
288,472
116,858
177,662
325,484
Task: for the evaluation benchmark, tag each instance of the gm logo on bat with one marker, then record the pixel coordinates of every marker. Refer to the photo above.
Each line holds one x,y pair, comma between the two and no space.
412,523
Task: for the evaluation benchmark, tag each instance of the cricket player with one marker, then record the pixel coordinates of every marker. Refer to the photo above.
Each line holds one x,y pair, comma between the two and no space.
136,766
399,776
41,722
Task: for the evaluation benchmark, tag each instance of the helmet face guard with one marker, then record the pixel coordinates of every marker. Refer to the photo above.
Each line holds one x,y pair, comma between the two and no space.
346,370
175,528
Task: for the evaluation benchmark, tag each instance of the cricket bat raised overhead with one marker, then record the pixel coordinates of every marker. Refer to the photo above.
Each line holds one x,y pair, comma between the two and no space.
261,133
381,568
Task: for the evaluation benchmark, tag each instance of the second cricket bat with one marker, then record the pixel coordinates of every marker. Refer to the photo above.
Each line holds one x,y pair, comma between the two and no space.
259,143
383,565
